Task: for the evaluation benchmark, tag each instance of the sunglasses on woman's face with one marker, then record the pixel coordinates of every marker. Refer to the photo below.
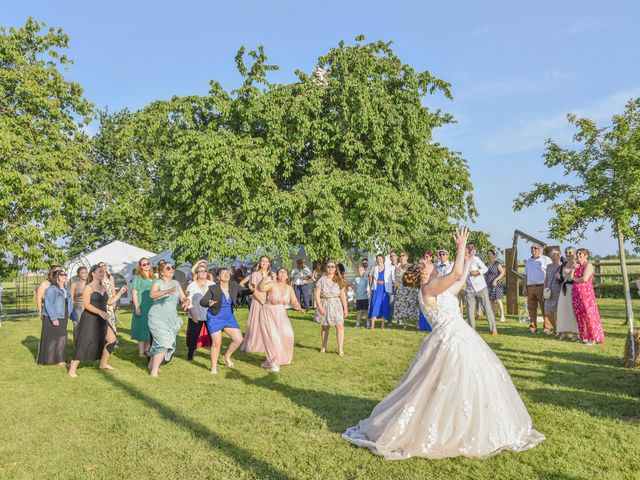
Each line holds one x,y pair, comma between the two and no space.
202,271
331,266
168,267
145,264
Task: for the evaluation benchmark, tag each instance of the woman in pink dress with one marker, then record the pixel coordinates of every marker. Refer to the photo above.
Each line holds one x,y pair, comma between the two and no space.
584,300
253,337
275,327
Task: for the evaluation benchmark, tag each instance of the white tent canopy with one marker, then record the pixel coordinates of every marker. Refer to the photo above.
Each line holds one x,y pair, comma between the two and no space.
121,258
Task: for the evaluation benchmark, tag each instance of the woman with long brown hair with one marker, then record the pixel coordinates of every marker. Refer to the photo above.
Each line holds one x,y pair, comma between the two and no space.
277,333
331,305
142,301
253,336
95,338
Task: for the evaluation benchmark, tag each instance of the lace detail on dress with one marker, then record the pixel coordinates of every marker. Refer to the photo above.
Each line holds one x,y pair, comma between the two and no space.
403,421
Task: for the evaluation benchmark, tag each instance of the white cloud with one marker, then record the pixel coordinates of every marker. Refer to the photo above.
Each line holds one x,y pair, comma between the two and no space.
532,134
479,31
586,25
512,87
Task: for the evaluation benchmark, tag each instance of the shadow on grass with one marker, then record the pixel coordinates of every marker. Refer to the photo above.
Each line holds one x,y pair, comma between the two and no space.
241,456
597,404
338,410
32,343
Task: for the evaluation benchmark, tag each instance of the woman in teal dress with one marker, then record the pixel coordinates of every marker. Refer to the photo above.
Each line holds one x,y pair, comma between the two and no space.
164,321
140,289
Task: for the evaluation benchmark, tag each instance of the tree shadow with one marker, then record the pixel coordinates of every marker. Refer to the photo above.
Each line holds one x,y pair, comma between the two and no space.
32,343
339,411
243,457
598,404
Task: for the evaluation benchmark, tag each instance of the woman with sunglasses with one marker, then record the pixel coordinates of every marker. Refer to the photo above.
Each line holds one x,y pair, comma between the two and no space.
142,301
584,300
197,332
164,321
331,305
58,305
95,339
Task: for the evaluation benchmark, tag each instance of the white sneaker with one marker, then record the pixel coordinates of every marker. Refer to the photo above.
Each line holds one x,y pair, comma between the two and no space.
274,369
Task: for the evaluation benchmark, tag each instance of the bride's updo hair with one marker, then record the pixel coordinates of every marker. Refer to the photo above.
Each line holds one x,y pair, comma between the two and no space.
411,277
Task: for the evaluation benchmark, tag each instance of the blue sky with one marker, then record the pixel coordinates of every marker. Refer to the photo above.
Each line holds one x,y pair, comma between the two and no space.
517,68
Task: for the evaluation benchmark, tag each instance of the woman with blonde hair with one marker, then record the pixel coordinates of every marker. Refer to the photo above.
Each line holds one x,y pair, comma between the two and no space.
143,279
164,321
331,305
197,332
584,300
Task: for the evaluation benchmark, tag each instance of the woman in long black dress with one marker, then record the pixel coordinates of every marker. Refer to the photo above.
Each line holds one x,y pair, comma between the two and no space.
95,339
57,307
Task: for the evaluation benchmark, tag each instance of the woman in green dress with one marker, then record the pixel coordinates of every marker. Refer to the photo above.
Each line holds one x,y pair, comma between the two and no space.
140,289
164,321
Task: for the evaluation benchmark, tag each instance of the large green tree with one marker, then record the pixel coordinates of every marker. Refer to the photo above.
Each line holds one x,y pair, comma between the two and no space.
605,186
42,145
341,159
122,184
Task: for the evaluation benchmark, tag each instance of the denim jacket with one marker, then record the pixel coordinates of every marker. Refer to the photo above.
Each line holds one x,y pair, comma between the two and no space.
54,303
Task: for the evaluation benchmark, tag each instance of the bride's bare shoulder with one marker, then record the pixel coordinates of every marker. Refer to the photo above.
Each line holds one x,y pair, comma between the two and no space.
427,297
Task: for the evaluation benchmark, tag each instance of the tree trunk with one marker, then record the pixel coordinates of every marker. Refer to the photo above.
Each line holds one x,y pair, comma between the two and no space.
627,291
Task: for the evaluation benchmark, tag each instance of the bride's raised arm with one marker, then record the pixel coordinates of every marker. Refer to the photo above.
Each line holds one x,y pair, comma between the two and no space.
437,285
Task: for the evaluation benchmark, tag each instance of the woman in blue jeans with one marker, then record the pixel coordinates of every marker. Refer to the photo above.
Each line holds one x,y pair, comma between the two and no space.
58,306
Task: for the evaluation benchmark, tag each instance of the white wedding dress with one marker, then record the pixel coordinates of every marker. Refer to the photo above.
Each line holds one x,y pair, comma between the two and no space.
456,399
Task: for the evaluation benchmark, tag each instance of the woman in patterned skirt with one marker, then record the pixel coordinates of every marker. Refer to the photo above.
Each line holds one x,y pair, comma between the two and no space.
553,281
406,302
331,305
493,277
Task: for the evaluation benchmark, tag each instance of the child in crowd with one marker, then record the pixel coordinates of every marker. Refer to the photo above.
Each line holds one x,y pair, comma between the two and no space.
361,283
351,296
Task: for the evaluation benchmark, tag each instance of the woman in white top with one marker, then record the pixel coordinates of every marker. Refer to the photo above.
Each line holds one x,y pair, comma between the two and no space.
197,333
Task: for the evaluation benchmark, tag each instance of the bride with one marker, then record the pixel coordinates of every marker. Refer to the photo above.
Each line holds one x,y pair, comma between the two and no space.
456,398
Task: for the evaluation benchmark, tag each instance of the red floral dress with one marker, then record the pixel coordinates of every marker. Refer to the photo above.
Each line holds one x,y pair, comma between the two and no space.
583,299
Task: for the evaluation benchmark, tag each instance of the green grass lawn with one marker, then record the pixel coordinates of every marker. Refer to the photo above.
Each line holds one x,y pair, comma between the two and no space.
249,423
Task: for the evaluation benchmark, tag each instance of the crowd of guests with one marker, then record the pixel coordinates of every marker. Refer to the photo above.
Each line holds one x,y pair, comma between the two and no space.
561,287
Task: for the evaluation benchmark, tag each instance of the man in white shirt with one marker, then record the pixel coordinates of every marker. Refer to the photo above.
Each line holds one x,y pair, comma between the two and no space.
535,273
301,279
476,289
444,266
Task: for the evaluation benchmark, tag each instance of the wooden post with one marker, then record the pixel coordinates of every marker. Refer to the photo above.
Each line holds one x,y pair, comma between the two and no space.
597,272
512,282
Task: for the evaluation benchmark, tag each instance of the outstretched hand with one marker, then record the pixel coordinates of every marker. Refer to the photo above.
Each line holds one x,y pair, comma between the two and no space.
460,236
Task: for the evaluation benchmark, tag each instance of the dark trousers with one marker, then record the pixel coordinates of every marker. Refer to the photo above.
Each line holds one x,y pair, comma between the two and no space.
193,332
302,294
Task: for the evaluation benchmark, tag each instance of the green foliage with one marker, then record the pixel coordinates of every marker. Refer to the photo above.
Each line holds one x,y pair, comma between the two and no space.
42,146
121,184
340,159
607,167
